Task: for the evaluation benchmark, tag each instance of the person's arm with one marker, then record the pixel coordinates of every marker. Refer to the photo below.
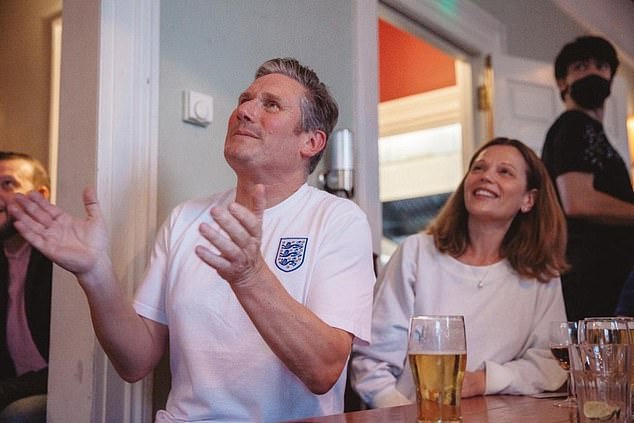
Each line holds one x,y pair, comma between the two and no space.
133,344
579,199
313,350
535,369
376,368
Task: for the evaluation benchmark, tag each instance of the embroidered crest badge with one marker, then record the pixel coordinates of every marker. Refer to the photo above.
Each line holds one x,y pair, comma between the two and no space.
290,253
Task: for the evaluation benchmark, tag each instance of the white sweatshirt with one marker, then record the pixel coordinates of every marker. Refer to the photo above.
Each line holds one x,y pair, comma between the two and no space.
506,321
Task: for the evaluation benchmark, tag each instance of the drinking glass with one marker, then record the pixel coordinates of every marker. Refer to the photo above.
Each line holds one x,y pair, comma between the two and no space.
602,382
562,335
629,321
604,330
437,351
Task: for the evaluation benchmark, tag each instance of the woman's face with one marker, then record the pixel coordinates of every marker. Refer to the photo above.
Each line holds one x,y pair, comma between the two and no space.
495,186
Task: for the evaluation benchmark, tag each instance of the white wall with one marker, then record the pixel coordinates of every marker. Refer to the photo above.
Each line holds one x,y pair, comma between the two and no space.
535,29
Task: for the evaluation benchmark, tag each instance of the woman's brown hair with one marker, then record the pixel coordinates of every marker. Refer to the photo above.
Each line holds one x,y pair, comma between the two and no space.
535,243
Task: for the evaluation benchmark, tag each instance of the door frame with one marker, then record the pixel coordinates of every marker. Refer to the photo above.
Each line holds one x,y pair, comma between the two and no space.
108,139
469,28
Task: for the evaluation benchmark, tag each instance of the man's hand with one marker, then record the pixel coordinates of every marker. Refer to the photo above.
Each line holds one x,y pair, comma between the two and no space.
76,244
474,384
80,245
311,349
238,242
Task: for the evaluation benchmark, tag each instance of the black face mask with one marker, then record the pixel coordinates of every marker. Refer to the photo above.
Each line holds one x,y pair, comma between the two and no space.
590,92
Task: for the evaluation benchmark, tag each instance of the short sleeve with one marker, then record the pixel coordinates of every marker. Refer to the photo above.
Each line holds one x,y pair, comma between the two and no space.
149,300
341,287
571,140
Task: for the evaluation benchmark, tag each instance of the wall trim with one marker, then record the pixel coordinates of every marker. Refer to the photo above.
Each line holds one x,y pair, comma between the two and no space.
365,114
420,111
127,173
463,23
469,29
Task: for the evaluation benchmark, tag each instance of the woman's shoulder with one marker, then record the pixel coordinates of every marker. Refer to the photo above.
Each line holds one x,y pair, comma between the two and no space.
420,244
418,239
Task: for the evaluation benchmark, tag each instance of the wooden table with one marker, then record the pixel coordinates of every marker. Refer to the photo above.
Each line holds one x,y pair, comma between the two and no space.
490,409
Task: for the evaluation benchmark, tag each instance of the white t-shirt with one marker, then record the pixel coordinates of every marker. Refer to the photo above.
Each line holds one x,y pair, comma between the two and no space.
318,246
506,323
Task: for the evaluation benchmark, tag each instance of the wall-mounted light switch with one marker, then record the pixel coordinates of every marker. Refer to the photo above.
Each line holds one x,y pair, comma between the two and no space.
197,108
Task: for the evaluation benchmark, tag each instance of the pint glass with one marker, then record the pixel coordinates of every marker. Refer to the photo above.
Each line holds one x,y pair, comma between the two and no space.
437,353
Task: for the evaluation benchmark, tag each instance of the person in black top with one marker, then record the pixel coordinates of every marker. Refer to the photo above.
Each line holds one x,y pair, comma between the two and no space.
625,307
25,300
592,181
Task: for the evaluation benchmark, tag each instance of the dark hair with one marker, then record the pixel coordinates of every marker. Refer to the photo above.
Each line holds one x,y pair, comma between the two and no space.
40,176
584,48
535,243
319,109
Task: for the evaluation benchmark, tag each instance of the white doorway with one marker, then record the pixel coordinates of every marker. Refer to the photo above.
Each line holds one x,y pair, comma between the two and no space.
520,101
425,125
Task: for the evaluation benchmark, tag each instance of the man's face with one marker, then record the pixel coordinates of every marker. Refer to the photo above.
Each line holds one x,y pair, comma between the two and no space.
16,176
263,135
582,68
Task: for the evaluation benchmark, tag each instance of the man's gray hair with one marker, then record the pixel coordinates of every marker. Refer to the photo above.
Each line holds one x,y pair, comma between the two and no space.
319,110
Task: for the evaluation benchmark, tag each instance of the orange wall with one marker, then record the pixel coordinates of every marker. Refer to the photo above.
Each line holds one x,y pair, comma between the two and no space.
407,65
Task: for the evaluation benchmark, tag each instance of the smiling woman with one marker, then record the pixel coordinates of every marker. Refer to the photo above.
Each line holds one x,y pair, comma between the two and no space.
498,240
532,234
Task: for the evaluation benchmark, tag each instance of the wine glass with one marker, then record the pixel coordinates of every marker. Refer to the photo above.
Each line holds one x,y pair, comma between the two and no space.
562,334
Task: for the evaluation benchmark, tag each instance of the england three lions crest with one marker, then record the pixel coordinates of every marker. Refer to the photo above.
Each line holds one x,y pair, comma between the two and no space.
290,253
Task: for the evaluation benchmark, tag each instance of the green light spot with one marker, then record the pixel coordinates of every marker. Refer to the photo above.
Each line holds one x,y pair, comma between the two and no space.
448,7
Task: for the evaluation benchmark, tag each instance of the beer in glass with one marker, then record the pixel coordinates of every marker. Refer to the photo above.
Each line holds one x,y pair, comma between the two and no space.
437,353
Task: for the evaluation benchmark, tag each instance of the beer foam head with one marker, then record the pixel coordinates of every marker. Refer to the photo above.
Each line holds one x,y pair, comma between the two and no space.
439,334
